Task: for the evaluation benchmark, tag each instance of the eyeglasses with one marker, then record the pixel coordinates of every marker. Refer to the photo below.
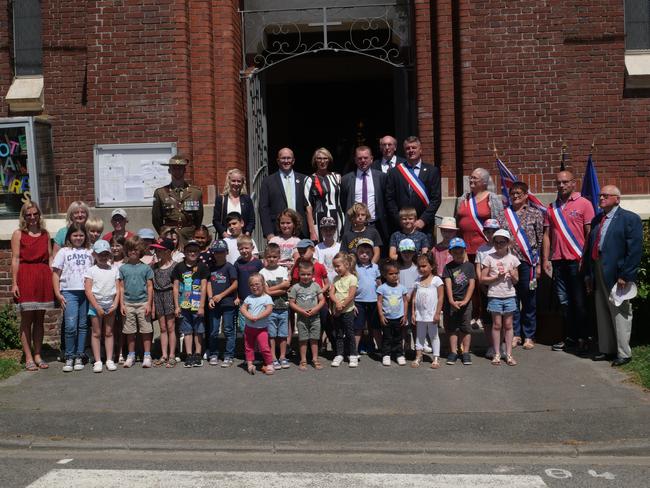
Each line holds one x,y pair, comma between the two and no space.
563,182
517,193
607,195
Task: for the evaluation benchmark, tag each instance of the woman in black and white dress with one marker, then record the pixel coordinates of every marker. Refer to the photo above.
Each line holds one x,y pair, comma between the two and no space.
322,195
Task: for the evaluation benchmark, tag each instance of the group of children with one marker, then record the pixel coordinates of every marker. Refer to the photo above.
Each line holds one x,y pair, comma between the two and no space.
328,291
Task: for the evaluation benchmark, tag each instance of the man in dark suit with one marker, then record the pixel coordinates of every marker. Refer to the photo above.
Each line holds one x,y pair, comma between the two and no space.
388,160
611,257
281,190
352,191
413,184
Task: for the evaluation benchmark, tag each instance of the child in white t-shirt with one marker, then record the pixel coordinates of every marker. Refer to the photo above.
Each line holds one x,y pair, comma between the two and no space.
427,300
500,273
100,282
484,320
326,250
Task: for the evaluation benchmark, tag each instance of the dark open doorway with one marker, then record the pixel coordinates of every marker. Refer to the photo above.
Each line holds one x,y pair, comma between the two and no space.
333,100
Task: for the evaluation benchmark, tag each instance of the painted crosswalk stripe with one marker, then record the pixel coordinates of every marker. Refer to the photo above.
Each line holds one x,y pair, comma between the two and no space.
99,478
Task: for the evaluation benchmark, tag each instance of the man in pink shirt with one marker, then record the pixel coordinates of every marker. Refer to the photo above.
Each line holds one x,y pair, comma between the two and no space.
567,224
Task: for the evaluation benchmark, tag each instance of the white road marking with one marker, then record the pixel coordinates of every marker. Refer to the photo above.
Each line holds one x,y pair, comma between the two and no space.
99,478
64,461
607,475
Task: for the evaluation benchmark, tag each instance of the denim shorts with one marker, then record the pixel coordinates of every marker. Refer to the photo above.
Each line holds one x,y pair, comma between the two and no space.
502,305
279,323
191,323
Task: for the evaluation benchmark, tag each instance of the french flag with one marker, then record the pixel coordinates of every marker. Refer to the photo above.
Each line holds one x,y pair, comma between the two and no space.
507,179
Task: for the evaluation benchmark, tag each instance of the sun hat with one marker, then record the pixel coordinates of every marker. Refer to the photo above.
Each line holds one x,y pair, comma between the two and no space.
501,233
619,294
448,223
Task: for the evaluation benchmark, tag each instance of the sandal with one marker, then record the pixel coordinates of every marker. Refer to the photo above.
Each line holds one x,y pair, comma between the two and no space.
41,364
528,344
496,360
302,366
435,364
516,341
510,361
170,363
31,366
316,363
251,369
157,363
416,362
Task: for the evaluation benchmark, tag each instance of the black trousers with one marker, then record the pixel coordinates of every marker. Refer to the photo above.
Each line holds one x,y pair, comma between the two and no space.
392,341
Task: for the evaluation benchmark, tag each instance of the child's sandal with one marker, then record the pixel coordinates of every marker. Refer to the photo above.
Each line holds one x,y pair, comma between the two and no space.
510,361
416,362
251,369
302,366
316,363
159,362
435,364
496,360
171,362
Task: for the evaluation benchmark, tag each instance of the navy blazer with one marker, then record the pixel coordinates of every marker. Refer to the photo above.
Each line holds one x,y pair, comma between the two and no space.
399,195
273,201
221,210
621,252
376,164
347,199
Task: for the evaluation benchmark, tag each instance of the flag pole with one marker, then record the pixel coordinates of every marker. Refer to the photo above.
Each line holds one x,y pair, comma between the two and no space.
563,155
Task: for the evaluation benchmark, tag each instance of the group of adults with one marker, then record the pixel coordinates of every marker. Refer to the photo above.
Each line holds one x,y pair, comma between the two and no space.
583,251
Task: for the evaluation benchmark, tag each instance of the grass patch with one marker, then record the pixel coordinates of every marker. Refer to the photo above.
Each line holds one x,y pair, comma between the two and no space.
8,367
640,366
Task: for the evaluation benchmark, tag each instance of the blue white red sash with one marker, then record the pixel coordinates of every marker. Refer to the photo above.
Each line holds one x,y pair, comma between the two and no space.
473,213
520,236
563,230
414,182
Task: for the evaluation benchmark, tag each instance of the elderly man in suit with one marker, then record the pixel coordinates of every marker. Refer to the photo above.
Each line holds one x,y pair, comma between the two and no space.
611,258
281,190
413,184
374,182
388,160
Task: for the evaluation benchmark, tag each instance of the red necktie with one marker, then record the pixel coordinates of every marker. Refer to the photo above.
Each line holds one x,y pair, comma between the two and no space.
594,249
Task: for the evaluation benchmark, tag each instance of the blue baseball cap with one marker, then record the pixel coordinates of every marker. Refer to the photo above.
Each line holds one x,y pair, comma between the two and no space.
101,246
304,244
457,242
219,246
146,233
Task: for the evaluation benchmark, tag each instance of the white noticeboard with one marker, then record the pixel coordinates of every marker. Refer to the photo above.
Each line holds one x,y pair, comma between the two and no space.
126,175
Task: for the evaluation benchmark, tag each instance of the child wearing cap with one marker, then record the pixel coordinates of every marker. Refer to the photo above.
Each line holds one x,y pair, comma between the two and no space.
163,301
100,283
448,230
148,237
328,247
119,219
172,234
490,226
460,279
365,300
358,216
222,290
190,280
408,275
277,283
235,224
499,272
407,218
136,300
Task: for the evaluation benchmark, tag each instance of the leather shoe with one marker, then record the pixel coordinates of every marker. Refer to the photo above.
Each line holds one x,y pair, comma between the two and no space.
620,361
601,356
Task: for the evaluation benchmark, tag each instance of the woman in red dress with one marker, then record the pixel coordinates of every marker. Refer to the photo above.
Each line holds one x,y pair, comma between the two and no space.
31,282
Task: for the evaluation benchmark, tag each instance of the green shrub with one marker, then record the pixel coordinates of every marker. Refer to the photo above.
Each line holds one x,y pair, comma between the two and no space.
640,330
9,328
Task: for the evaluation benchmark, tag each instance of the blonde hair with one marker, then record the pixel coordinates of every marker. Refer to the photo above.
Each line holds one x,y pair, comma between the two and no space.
74,206
226,186
356,208
323,151
241,240
408,212
22,223
349,259
94,223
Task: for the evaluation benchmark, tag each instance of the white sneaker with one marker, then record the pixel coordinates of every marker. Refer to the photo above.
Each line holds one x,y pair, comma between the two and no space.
427,349
385,360
401,360
336,362
98,367
354,361
146,362
78,364
67,368
110,365
120,360
129,361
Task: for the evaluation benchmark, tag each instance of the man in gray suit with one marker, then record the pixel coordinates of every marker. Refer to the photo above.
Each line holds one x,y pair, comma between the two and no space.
365,185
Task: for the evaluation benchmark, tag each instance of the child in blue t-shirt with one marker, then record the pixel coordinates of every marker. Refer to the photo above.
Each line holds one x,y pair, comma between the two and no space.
365,300
392,305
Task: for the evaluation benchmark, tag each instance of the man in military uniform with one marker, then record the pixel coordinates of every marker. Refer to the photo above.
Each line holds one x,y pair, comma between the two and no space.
179,204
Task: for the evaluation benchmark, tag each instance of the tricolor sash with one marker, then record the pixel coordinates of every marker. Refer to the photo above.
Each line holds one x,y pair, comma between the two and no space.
520,236
414,182
565,233
473,213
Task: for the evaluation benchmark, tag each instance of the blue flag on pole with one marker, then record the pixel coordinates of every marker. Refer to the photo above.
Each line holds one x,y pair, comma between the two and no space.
590,187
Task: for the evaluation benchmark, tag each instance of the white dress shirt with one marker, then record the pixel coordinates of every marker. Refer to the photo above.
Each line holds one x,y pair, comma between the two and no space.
358,182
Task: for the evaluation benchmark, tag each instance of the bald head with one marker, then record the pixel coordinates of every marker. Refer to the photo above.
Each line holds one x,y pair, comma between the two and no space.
286,159
610,196
566,184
